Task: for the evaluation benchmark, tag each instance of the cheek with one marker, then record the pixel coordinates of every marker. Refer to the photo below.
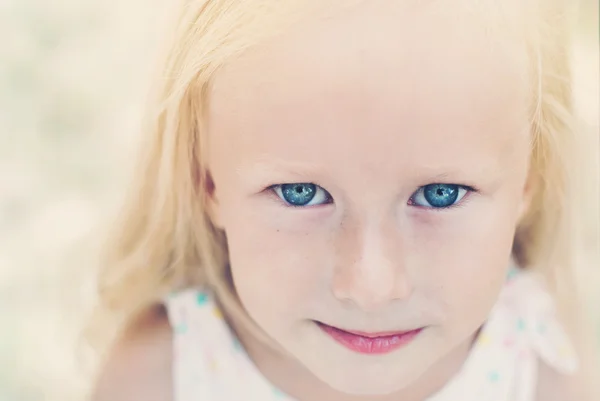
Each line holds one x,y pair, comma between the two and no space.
277,273
464,259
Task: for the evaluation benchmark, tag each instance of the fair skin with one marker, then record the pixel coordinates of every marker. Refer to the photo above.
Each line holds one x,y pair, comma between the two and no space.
364,114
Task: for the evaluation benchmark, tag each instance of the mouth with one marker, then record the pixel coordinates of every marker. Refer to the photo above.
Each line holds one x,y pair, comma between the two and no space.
370,342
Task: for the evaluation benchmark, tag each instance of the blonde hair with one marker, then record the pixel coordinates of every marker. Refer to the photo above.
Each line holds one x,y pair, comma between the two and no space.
164,238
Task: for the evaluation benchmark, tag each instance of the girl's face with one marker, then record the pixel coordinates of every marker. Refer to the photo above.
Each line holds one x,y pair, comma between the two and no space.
369,173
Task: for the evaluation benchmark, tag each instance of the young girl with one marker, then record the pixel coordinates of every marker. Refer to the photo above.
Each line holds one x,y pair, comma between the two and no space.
352,200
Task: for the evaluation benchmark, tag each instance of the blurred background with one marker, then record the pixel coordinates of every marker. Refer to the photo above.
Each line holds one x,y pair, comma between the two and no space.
73,77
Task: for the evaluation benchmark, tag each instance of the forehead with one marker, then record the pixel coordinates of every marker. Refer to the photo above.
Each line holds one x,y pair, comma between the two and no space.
382,74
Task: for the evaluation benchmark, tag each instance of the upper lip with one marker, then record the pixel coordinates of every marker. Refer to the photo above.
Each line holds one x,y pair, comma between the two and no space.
373,334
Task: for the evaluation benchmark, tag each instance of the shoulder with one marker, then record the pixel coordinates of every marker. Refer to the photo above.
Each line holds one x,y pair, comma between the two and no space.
554,386
562,377
582,384
555,332
139,365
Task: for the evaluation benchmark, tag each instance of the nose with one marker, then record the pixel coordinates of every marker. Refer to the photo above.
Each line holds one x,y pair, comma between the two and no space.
370,268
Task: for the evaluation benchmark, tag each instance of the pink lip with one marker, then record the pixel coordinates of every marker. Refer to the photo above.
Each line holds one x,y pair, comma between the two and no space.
370,343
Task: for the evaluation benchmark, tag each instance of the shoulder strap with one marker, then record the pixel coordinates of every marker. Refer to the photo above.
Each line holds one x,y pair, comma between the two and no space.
541,324
192,373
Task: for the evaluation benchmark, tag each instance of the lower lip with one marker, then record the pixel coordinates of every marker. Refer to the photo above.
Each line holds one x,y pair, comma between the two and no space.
370,344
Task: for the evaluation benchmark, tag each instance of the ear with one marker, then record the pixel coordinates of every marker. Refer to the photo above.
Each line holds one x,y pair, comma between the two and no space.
527,195
208,190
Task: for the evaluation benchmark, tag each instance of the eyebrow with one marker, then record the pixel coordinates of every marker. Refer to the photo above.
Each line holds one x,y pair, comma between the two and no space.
266,170
491,173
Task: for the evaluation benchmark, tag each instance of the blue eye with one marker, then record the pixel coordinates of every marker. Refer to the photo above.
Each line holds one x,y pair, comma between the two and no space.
438,196
302,194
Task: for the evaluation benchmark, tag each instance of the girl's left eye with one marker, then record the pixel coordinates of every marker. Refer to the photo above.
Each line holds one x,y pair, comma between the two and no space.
302,194
438,196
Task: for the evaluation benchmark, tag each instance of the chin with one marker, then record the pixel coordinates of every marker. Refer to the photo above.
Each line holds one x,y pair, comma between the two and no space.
368,379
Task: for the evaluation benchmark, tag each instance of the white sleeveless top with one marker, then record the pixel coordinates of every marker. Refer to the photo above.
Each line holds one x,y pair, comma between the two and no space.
210,364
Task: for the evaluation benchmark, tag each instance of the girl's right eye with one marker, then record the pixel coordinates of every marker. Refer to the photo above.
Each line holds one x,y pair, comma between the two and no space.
302,194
